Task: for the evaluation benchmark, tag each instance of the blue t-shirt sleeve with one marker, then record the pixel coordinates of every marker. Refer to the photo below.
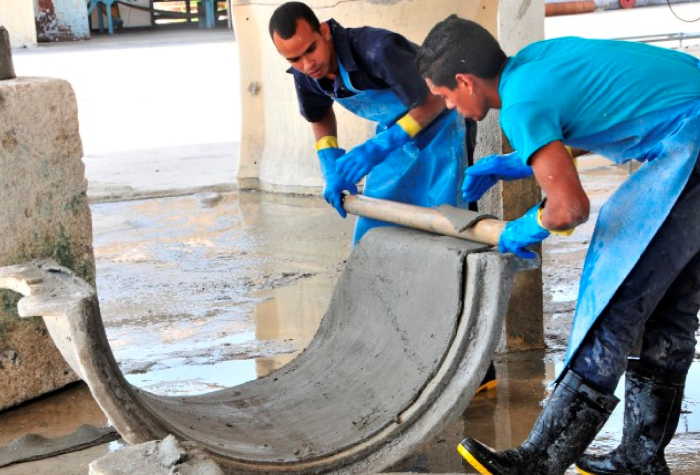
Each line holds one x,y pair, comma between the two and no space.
529,126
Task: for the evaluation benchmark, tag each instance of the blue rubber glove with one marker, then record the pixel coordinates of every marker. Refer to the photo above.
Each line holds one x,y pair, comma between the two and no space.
359,161
486,172
520,233
333,191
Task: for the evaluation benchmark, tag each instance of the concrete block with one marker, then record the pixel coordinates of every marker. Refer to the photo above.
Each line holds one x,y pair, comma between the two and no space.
44,213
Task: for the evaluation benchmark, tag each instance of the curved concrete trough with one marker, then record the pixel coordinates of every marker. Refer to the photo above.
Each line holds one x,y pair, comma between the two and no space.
409,333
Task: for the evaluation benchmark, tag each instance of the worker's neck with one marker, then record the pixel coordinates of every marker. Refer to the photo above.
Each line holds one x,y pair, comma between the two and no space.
491,89
333,69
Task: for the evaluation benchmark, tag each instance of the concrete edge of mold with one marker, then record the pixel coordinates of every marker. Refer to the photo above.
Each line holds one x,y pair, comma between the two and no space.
71,313
466,362
70,309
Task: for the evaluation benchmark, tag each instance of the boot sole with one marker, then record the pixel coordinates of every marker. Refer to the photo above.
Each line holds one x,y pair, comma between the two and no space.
582,471
471,460
487,387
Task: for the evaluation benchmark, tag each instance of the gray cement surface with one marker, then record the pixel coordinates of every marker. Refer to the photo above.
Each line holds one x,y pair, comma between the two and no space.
31,447
158,111
146,90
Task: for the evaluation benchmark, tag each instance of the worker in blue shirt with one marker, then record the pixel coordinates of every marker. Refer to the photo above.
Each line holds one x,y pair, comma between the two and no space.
641,278
419,149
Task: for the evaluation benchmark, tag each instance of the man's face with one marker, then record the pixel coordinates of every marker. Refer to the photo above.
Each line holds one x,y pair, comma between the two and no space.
309,52
467,97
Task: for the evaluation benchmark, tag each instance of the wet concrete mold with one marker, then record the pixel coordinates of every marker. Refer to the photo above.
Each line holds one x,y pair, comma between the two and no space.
412,325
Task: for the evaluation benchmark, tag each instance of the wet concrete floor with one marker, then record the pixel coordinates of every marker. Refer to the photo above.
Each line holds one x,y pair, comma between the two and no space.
203,292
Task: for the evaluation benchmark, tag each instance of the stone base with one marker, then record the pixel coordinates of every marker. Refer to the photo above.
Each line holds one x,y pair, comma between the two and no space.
43,213
30,364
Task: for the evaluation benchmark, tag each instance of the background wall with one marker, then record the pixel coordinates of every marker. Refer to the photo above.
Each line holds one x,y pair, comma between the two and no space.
61,20
276,142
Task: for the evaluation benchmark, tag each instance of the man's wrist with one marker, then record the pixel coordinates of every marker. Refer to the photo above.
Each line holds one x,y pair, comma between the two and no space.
409,125
328,141
565,232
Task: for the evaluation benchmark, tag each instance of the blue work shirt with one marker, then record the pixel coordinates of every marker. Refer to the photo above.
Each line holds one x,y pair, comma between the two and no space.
570,88
375,59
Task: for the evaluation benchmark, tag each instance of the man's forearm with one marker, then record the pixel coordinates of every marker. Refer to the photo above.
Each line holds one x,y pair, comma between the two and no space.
326,126
425,113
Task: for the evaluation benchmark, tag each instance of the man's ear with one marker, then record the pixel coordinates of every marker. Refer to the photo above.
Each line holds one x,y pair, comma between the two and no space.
465,81
325,31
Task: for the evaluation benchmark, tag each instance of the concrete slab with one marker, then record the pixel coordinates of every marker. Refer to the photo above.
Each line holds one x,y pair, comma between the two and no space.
147,90
36,447
171,171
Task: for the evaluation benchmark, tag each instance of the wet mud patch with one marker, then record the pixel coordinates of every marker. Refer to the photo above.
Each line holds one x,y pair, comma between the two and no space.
215,296
273,281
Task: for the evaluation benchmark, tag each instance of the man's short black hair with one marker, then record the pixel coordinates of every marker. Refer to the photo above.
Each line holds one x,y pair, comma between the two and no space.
455,46
284,19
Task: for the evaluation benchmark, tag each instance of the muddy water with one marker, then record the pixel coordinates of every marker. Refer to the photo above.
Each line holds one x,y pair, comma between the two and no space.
197,297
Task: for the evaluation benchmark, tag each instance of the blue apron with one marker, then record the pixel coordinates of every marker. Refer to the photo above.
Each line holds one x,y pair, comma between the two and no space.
668,141
426,171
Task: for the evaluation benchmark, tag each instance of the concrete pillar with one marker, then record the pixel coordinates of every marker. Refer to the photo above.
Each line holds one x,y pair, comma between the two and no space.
7,69
43,213
277,144
18,17
520,22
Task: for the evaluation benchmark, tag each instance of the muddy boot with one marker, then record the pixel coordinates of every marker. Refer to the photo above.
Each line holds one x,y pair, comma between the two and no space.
652,409
571,418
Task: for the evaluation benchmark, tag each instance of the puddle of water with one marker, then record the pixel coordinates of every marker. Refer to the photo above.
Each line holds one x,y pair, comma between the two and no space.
53,415
226,293
191,379
285,321
567,293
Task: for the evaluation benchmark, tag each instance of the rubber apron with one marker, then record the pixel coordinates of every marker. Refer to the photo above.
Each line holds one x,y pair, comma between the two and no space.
668,141
426,171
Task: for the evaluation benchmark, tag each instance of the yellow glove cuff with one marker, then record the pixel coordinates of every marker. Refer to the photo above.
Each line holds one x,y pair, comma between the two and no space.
566,232
409,125
329,141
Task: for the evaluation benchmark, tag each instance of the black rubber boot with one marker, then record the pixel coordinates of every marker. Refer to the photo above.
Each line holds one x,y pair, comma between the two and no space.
652,409
571,418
